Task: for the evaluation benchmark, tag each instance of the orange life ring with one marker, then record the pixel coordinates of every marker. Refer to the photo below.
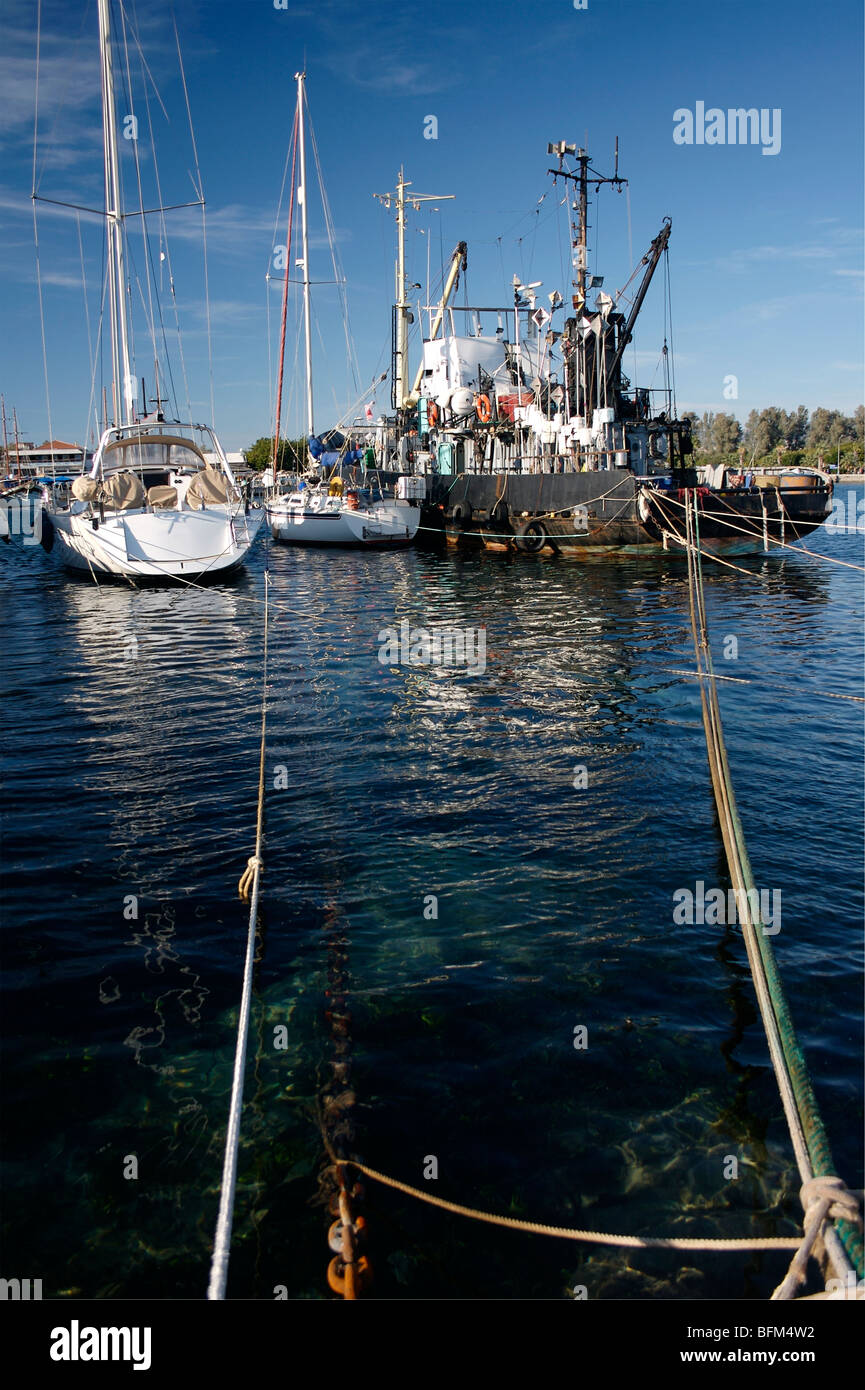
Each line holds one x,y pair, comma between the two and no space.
484,409
432,414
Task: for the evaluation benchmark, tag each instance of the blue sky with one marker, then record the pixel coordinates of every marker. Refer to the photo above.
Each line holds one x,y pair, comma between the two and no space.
766,250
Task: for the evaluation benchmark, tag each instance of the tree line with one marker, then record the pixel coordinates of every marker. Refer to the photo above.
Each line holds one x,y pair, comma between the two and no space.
292,454
793,435
773,430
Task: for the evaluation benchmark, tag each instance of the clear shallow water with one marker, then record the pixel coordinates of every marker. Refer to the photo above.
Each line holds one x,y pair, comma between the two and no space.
136,775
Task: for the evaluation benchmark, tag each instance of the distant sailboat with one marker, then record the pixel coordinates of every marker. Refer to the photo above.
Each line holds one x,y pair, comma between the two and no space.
160,501
326,513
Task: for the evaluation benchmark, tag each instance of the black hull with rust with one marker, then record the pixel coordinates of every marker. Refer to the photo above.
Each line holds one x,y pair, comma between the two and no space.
596,511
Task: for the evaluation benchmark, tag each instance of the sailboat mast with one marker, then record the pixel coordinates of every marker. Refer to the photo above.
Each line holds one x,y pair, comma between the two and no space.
17,443
124,385
310,421
5,439
401,356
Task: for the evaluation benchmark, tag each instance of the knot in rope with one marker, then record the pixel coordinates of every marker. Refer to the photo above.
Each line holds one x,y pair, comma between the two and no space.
843,1204
248,875
824,1198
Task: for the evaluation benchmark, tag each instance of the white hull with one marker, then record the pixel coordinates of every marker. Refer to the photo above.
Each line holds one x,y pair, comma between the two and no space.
155,545
336,524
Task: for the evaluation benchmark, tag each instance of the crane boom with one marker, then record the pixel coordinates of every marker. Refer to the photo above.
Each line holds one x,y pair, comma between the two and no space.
650,261
459,261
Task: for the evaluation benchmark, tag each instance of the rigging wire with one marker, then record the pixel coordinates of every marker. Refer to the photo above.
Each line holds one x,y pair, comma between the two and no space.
86,305
35,223
288,237
336,260
207,317
42,323
36,97
126,76
69,71
268,277
164,242
199,189
96,355
668,285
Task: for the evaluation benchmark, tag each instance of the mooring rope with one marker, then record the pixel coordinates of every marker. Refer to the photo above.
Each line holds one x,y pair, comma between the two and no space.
249,880
750,680
798,549
593,1237
804,1121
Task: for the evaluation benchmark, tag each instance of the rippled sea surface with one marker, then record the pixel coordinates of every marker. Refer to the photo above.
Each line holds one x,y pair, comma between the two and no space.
427,852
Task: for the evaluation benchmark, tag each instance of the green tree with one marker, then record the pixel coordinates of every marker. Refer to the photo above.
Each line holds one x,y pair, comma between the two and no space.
292,454
764,430
726,434
258,454
830,428
796,428
702,431
695,426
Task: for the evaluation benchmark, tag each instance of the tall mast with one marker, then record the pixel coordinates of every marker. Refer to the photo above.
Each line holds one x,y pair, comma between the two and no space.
17,443
401,362
401,303
585,176
310,422
5,439
124,383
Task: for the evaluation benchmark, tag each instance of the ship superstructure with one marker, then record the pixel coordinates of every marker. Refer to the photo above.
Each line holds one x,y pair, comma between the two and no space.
530,436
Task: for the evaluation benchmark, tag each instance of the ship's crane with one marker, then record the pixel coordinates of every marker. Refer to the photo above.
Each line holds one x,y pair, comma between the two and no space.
650,261
459,261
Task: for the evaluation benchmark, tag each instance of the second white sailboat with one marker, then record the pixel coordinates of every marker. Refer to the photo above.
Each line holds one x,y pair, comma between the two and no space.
325,512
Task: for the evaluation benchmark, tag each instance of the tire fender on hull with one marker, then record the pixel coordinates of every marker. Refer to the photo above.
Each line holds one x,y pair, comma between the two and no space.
531,537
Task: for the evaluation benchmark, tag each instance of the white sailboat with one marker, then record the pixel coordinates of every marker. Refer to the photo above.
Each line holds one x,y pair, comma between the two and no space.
160,501
320,516
326,513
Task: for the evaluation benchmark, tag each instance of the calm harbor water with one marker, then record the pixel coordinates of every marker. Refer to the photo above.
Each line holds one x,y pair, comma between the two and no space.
130,748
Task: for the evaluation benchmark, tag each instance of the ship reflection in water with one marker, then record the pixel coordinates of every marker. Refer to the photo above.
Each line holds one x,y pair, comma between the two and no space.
499,854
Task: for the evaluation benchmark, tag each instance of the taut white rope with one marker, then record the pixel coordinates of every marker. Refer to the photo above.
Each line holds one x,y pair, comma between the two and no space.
222,1240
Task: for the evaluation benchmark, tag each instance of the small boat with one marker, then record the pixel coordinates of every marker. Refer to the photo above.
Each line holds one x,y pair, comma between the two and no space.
331,516
160,501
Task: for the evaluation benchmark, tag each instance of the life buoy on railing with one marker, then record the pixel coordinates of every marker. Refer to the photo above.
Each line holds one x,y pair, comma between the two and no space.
483,409
432,414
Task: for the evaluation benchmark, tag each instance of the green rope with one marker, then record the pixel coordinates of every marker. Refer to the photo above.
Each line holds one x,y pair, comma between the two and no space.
811,1120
